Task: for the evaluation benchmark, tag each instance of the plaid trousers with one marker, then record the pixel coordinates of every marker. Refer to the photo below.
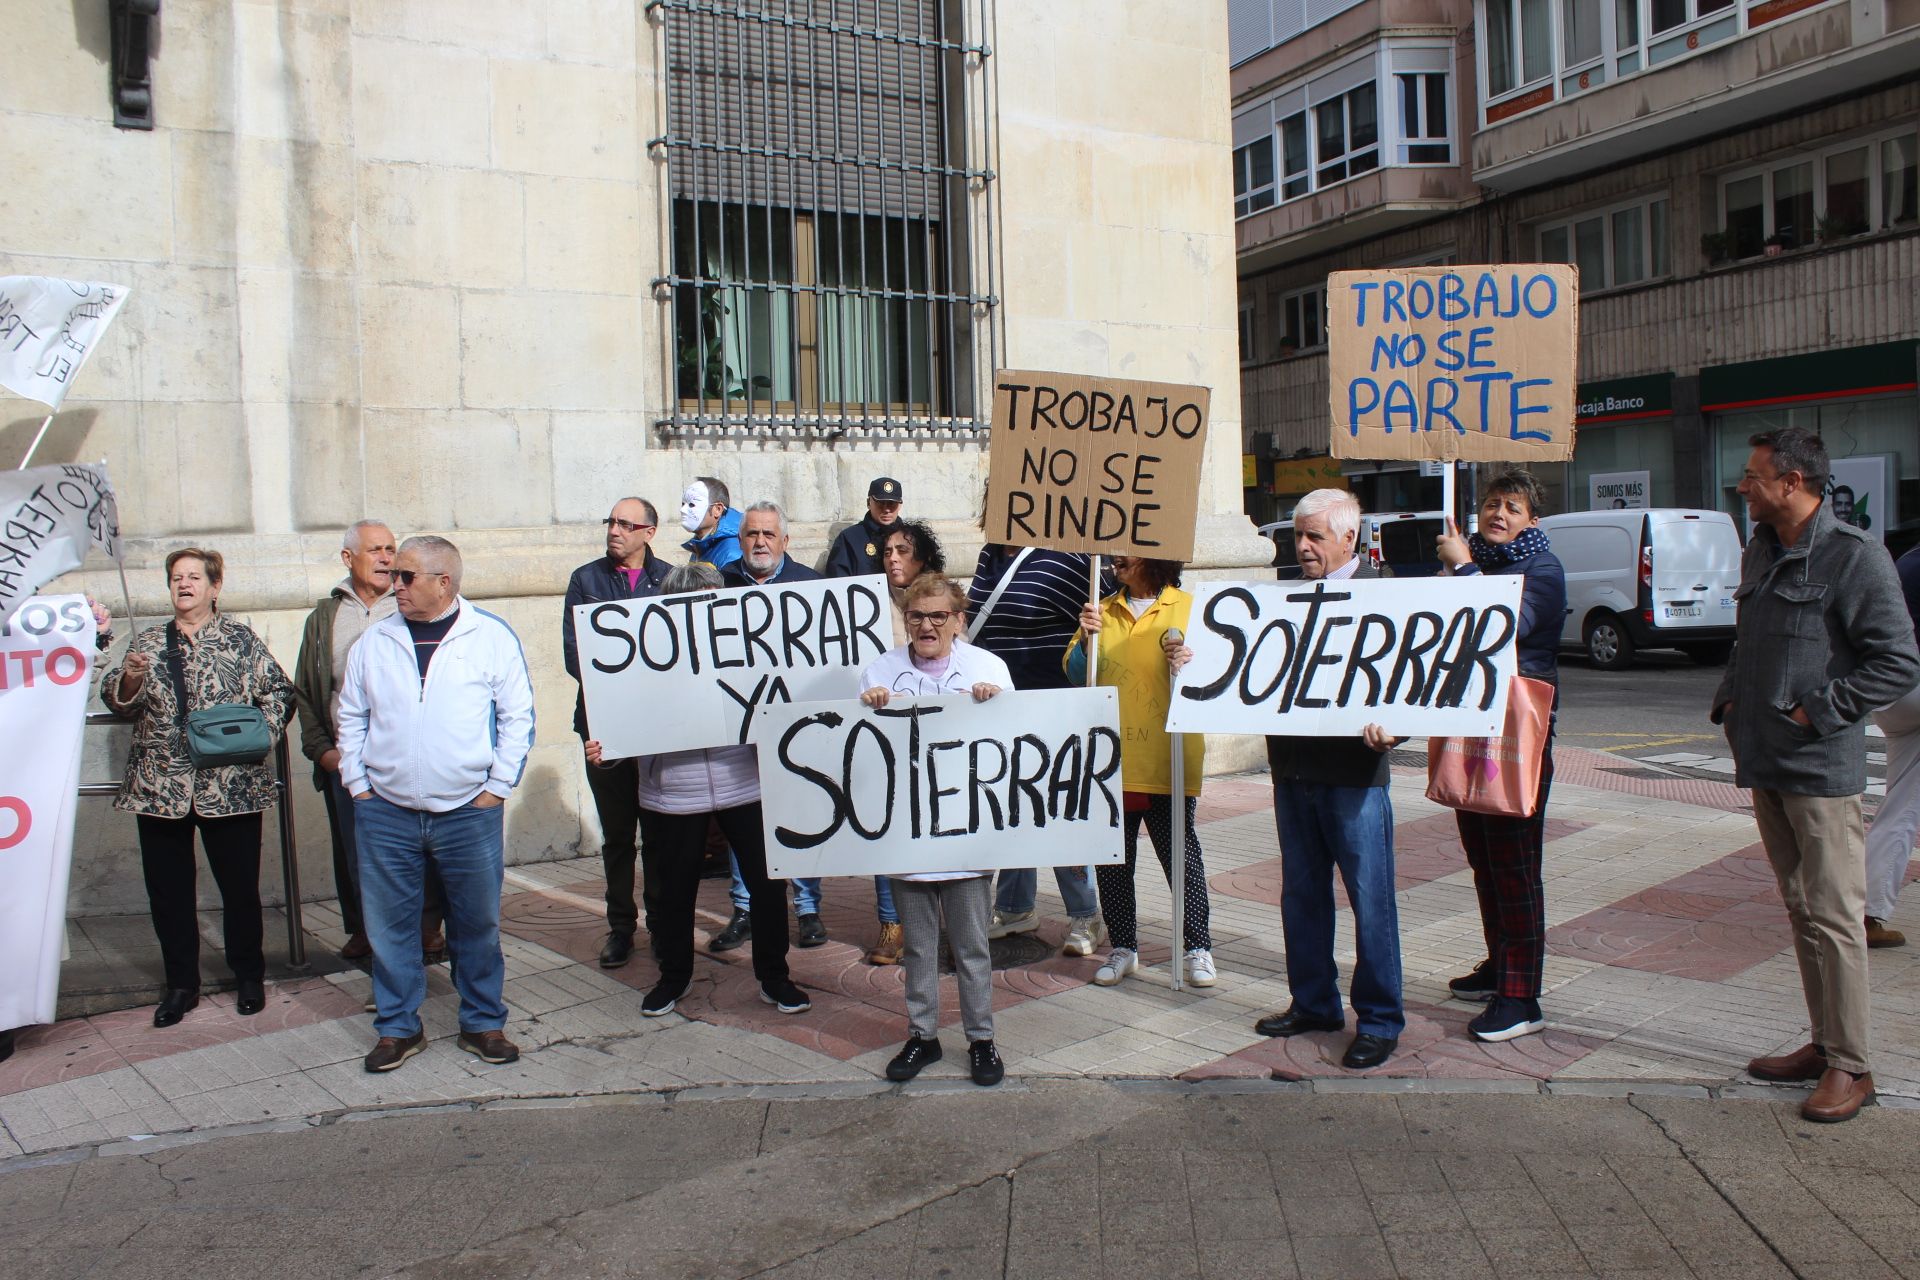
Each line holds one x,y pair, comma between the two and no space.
1505,854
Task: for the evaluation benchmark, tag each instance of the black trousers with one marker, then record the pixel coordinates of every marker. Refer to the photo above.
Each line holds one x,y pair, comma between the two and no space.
616,797
233,853
346,858
674,845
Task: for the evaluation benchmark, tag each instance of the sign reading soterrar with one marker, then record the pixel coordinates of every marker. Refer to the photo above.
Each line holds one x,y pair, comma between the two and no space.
1454,362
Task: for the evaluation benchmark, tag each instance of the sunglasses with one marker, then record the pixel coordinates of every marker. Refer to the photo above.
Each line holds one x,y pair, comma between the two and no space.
938,619
405,577
625,526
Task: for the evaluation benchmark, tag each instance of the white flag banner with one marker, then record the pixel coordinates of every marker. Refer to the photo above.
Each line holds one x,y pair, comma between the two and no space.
49,517
46,657
942,784
1417,656
48,328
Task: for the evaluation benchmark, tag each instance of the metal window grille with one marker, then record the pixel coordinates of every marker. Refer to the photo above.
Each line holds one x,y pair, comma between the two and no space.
828,215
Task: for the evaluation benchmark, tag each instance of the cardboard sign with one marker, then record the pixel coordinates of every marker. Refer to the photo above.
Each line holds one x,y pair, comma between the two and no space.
1100,465
942,784
1417,656
671,673
1451,363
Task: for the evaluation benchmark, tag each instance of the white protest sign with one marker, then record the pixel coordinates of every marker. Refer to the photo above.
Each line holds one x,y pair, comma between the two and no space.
49,516
942,784
46,657
1616,490
1417,656
671,673
48,328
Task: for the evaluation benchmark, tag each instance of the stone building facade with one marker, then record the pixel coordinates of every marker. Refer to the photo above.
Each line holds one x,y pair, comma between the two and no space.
428,261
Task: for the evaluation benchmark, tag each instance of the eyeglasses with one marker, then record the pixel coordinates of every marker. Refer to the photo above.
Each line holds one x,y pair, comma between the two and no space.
406,576
938,619
626,526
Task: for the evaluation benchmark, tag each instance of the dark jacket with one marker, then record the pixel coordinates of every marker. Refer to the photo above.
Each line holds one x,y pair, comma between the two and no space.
315,682
721,547
592,583
1325,761
790,570
1543,613
1822,626
857,549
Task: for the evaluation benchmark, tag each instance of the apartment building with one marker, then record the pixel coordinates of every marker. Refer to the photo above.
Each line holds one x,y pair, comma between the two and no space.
1735,179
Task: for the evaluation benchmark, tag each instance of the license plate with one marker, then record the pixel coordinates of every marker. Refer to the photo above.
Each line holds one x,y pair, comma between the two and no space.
1683,611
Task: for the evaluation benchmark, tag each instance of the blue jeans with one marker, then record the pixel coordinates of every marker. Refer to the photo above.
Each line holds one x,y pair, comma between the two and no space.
1019,890
806,893
465,848
1351,828
883,901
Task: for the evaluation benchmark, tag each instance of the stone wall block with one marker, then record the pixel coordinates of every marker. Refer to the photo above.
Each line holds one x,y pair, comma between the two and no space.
100,192
490,26
600,458
186,322
565,118
329,467
437,470
190,475
58,62
295,74
552,350
606,32
409,346
437,226
426,103
194,68
585,236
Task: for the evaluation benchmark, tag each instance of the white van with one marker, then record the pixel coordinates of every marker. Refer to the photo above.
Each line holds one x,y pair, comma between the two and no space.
1659,579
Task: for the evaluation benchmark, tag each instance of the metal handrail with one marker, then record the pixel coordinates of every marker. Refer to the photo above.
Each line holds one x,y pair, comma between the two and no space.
289,849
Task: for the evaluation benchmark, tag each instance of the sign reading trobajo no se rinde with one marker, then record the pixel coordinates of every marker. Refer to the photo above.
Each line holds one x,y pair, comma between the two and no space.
1107,466
1449,363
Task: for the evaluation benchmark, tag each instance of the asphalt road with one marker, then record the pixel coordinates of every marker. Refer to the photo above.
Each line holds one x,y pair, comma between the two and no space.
1657,706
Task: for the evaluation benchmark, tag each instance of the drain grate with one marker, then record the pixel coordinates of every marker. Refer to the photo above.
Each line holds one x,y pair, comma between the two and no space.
1015,951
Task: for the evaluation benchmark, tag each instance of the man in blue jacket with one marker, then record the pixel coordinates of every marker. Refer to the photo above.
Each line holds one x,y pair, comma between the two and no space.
715,526
628,571
1822,639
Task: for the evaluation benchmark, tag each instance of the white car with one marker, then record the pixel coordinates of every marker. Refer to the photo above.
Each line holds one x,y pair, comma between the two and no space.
1655,579
1398,543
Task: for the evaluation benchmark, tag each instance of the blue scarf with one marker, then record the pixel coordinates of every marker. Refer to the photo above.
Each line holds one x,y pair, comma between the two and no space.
1492,559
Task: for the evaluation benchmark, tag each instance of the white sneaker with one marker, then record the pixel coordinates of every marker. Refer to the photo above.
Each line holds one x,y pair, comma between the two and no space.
1007,922
1200,971
1119,963
1084,933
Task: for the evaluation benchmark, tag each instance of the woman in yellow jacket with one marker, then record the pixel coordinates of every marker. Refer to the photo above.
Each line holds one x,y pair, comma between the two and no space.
1138,659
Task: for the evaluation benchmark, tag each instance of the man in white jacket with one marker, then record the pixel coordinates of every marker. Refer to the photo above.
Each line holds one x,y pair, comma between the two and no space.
436,720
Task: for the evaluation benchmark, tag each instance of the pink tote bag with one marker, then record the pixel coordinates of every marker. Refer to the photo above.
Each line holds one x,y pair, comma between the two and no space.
1500,775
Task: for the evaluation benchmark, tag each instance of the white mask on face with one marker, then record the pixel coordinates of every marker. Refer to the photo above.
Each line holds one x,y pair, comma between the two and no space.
693,507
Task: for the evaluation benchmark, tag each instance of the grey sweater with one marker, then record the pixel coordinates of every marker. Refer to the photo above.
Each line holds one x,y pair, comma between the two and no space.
1822,626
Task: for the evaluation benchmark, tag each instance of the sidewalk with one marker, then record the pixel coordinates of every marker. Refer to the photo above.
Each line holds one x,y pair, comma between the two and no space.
1669,964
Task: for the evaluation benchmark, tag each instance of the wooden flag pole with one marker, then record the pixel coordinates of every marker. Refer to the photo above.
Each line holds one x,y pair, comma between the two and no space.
1093,642
38,436
1177,856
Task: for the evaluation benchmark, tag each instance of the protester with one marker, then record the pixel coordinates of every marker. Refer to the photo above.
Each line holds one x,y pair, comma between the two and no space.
1506,853
1822,639
909,550
858,548
764,561
931,664
1890,838
1138,655
212,660
436,720
1023,606
1332,809
679,792
628,571
356,602
715,526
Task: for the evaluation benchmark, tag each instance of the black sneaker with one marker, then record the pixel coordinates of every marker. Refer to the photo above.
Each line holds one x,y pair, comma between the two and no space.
1507,1018
1476,986
913,1056
983,1063
661,999
812,932
738,930
785,996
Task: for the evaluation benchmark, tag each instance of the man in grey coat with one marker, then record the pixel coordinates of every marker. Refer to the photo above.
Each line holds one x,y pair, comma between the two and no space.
1823,638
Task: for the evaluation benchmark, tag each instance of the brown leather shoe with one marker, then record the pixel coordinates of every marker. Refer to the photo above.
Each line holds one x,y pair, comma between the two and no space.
433,945
391,1051
357,948
1808,1062
489,1046
1839,1096
1878,935
887,950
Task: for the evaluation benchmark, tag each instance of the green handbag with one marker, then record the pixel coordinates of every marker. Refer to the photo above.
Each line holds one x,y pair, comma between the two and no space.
230,733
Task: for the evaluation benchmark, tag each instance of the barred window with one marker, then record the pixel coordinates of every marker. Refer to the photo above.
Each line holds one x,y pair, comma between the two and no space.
831,238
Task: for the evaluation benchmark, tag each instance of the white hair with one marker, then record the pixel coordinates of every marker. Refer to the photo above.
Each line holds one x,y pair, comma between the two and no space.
774,507
1341,509
350,540
442,555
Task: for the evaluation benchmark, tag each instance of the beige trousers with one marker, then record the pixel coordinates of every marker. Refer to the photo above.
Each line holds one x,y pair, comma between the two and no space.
1818,850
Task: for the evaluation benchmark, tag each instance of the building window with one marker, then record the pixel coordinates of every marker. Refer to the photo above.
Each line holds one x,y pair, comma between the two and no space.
1519,44
1253,177
1668,14
1346,136
822,279
1303,321
1623,245
1579,31
1423,118
1840,191
1293,152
